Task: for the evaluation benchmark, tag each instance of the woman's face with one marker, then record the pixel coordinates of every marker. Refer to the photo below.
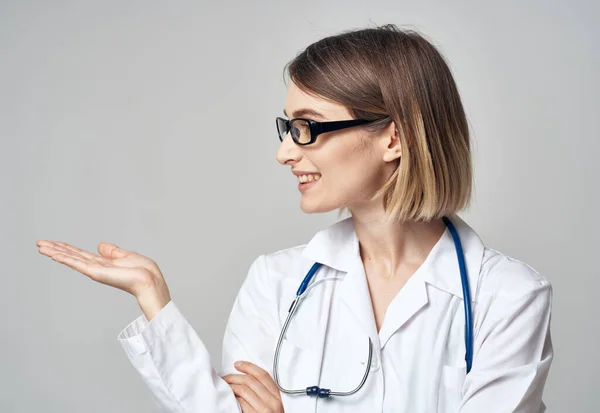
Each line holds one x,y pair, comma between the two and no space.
346,167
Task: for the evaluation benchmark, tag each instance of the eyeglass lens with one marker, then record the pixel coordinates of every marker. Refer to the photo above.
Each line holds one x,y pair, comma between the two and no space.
300,130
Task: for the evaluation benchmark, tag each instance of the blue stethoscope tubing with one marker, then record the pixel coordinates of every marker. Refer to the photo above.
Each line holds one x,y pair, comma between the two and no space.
323,393
466,293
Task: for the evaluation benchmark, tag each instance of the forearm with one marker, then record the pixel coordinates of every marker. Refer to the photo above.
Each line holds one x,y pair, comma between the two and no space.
175,364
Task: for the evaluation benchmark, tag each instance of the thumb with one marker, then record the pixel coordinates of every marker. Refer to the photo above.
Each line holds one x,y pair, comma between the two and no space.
109,250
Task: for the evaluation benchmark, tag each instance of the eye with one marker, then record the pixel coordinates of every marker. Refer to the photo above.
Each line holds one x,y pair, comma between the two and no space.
295,132
301,131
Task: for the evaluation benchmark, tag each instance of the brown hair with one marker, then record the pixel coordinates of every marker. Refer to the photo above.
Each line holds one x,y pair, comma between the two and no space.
393,74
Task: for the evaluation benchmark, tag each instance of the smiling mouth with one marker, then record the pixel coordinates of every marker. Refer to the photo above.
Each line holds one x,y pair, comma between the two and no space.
304,179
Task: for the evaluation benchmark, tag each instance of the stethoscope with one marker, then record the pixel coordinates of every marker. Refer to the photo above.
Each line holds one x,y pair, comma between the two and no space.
304,287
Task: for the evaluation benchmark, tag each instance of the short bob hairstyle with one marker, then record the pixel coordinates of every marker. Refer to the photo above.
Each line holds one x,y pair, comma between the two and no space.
388,74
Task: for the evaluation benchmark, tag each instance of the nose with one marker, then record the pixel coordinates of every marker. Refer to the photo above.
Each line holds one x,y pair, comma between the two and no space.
288,152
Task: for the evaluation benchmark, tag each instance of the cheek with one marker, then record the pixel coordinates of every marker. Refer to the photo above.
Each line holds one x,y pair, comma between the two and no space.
360,182
349,181
353,175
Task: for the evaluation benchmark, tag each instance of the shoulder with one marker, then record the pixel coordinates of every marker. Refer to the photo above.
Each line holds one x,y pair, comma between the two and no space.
505,279
286,259
331,246
272,281
281,265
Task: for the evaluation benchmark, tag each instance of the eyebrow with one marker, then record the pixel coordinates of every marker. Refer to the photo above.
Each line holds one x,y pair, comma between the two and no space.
305,112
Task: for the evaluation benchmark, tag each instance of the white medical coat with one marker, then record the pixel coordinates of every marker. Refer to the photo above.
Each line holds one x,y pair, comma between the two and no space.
418,354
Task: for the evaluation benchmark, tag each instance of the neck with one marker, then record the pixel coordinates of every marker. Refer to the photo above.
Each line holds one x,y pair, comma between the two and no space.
395,249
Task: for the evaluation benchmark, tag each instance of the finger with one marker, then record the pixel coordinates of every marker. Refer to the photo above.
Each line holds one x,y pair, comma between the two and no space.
53,248
249,396
261,374
57,249
246,408
78,251
253,384
72,262
111,250
122,278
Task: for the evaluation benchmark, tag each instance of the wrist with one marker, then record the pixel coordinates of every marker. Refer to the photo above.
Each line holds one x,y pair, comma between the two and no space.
153,300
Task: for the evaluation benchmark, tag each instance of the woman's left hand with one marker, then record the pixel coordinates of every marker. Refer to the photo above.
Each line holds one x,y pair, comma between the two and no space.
256,391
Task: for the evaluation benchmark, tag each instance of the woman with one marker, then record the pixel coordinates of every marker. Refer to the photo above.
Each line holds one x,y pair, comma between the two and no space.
390,320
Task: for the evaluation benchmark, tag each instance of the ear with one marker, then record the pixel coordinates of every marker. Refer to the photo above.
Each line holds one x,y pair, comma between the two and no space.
391,139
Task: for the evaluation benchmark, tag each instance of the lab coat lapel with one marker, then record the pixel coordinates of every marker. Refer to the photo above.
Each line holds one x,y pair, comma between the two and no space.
337,247
354,292
441,270
407,303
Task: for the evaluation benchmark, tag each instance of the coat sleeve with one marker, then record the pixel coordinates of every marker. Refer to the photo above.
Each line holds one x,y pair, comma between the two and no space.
513,353
175,363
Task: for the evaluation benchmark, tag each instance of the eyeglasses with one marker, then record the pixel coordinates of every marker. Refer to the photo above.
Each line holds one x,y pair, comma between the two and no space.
305,131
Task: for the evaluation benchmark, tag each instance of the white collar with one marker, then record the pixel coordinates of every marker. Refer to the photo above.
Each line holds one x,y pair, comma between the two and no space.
337,247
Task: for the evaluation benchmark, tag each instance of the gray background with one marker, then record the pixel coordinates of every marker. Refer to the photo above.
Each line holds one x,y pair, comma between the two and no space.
151,125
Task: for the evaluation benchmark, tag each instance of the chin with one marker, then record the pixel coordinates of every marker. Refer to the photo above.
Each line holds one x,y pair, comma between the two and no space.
309,207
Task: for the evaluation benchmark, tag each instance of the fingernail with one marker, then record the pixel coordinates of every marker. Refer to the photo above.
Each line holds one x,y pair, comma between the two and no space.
237,363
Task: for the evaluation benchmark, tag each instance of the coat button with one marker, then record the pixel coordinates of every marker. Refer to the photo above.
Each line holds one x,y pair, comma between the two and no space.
375,364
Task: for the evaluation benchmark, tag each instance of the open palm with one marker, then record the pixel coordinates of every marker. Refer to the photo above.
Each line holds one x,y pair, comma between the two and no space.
125,270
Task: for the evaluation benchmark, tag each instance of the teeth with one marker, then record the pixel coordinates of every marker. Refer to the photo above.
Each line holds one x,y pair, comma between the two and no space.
309,178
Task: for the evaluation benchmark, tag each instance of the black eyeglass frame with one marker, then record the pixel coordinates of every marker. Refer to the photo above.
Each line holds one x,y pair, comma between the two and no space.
317,128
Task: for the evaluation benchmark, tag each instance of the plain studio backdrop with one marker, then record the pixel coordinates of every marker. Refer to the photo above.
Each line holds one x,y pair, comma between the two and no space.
151,125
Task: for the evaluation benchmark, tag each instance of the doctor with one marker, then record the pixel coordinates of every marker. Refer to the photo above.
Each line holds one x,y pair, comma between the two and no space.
382,324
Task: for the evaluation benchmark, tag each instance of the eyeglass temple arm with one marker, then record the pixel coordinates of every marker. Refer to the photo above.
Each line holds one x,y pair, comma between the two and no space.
324,127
